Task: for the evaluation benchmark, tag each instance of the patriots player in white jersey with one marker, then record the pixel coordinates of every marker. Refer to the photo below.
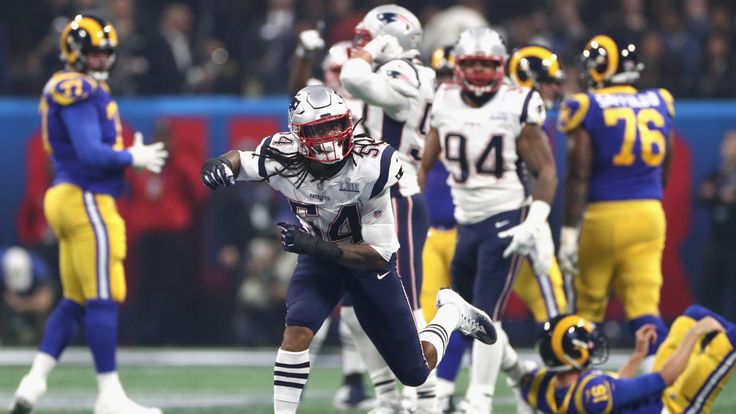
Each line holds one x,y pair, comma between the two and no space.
338,188
383,72
351,393
484,128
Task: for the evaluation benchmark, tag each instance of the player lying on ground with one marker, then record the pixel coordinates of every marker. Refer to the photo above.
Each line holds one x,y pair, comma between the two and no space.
691,367
338,188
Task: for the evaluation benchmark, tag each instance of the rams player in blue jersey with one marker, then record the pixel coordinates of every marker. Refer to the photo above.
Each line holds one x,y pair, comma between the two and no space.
83,135
691,368
620,142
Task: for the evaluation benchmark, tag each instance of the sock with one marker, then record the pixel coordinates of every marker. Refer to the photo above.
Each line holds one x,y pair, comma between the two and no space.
61,327
484,371
319,339
427,394
428,389
438,330
290,374
109,384
448,369
43,364
352,361
101,328
384,381
636,323
445,388
511,363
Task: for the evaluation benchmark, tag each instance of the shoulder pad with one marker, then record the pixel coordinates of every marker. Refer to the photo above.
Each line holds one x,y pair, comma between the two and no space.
389,171
271,148
402,73
67,88
531,386
594,394
533,110
669,100
573,112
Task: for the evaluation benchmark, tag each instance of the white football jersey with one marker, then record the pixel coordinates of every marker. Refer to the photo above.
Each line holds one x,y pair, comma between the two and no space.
479,148
353,206
400,115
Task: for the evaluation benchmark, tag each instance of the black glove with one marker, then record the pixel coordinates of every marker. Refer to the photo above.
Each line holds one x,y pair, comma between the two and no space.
296,240
218,172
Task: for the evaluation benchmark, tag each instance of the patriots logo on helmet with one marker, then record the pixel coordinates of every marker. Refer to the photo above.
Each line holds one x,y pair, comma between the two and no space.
294,103
390,17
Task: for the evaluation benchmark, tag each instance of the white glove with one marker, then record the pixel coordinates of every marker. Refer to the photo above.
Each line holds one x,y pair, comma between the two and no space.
310,42
384,48
568,253
544,251
150,157
524,235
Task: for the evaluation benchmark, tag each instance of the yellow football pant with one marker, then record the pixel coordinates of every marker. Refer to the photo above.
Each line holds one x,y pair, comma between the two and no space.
437,256
706,374
92,247
621,245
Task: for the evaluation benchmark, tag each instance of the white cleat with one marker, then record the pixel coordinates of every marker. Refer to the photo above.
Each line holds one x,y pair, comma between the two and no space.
121,405
384,407
30,389
473,321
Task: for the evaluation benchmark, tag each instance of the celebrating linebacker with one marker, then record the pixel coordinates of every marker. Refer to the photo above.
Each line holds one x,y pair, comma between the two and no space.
83,134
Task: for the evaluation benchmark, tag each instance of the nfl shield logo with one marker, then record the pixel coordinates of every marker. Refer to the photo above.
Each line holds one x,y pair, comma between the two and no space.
320,185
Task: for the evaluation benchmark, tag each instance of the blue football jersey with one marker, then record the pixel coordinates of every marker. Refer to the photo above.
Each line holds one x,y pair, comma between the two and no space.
629,130
82,132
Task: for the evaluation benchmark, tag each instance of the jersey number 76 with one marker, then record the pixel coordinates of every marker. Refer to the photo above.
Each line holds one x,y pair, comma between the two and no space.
637,125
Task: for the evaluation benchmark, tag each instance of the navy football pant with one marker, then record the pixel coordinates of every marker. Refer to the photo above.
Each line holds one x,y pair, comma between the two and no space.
412,223
480,273
380,304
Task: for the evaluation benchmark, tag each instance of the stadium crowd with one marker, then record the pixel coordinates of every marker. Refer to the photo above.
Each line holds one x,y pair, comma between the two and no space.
243,47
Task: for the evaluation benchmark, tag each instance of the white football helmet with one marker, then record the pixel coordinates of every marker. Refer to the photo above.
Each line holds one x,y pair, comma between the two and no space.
480,44
17,270
332,63
320,120
392,20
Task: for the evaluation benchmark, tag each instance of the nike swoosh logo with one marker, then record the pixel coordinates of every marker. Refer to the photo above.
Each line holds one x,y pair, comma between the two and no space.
500,224
382,275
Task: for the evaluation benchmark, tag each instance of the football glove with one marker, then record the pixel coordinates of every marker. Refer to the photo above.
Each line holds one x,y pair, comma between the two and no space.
384,48
218,172
544,250
310,43
568,253
296,240
151,157
524,235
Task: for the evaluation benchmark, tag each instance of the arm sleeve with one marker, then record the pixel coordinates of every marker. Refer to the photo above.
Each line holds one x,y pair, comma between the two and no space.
82,122
379,230
253,167
632,390
388,87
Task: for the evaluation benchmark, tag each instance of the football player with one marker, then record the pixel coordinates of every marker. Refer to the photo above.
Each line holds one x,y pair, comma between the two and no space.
483,127
338,187
351,393
620,143
384,73
692,366
83,135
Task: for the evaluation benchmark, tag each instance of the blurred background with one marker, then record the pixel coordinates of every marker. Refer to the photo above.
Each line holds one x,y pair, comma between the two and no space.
205,76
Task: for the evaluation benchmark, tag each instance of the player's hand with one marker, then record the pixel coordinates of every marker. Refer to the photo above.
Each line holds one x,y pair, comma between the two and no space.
151,157
296,240
544,251
645,336
707,325
384,48
310,43
568,253
217,172
522,242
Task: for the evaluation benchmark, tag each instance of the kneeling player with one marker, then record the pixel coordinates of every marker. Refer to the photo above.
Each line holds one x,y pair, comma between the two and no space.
691,367
339,189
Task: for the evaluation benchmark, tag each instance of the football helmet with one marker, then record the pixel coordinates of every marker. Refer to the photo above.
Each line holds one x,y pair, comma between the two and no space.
86,34
320,120
392,20
487,46
443,61
607,63
332,63
571,342
537,67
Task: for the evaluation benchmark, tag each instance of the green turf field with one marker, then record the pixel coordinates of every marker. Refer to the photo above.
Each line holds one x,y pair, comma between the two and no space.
219,389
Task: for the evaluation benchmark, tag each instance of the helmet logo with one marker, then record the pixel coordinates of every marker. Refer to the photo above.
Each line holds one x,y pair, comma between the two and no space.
390,17
294,103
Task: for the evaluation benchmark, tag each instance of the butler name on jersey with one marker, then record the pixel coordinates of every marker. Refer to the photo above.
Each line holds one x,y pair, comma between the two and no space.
479,146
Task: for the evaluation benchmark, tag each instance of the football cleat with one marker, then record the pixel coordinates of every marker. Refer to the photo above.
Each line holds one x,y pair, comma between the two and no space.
473,321
349,397
449,404
121,404
388,407
30,389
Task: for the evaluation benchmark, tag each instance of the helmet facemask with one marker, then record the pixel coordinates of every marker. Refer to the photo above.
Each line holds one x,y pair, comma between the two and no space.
327,140
479,75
